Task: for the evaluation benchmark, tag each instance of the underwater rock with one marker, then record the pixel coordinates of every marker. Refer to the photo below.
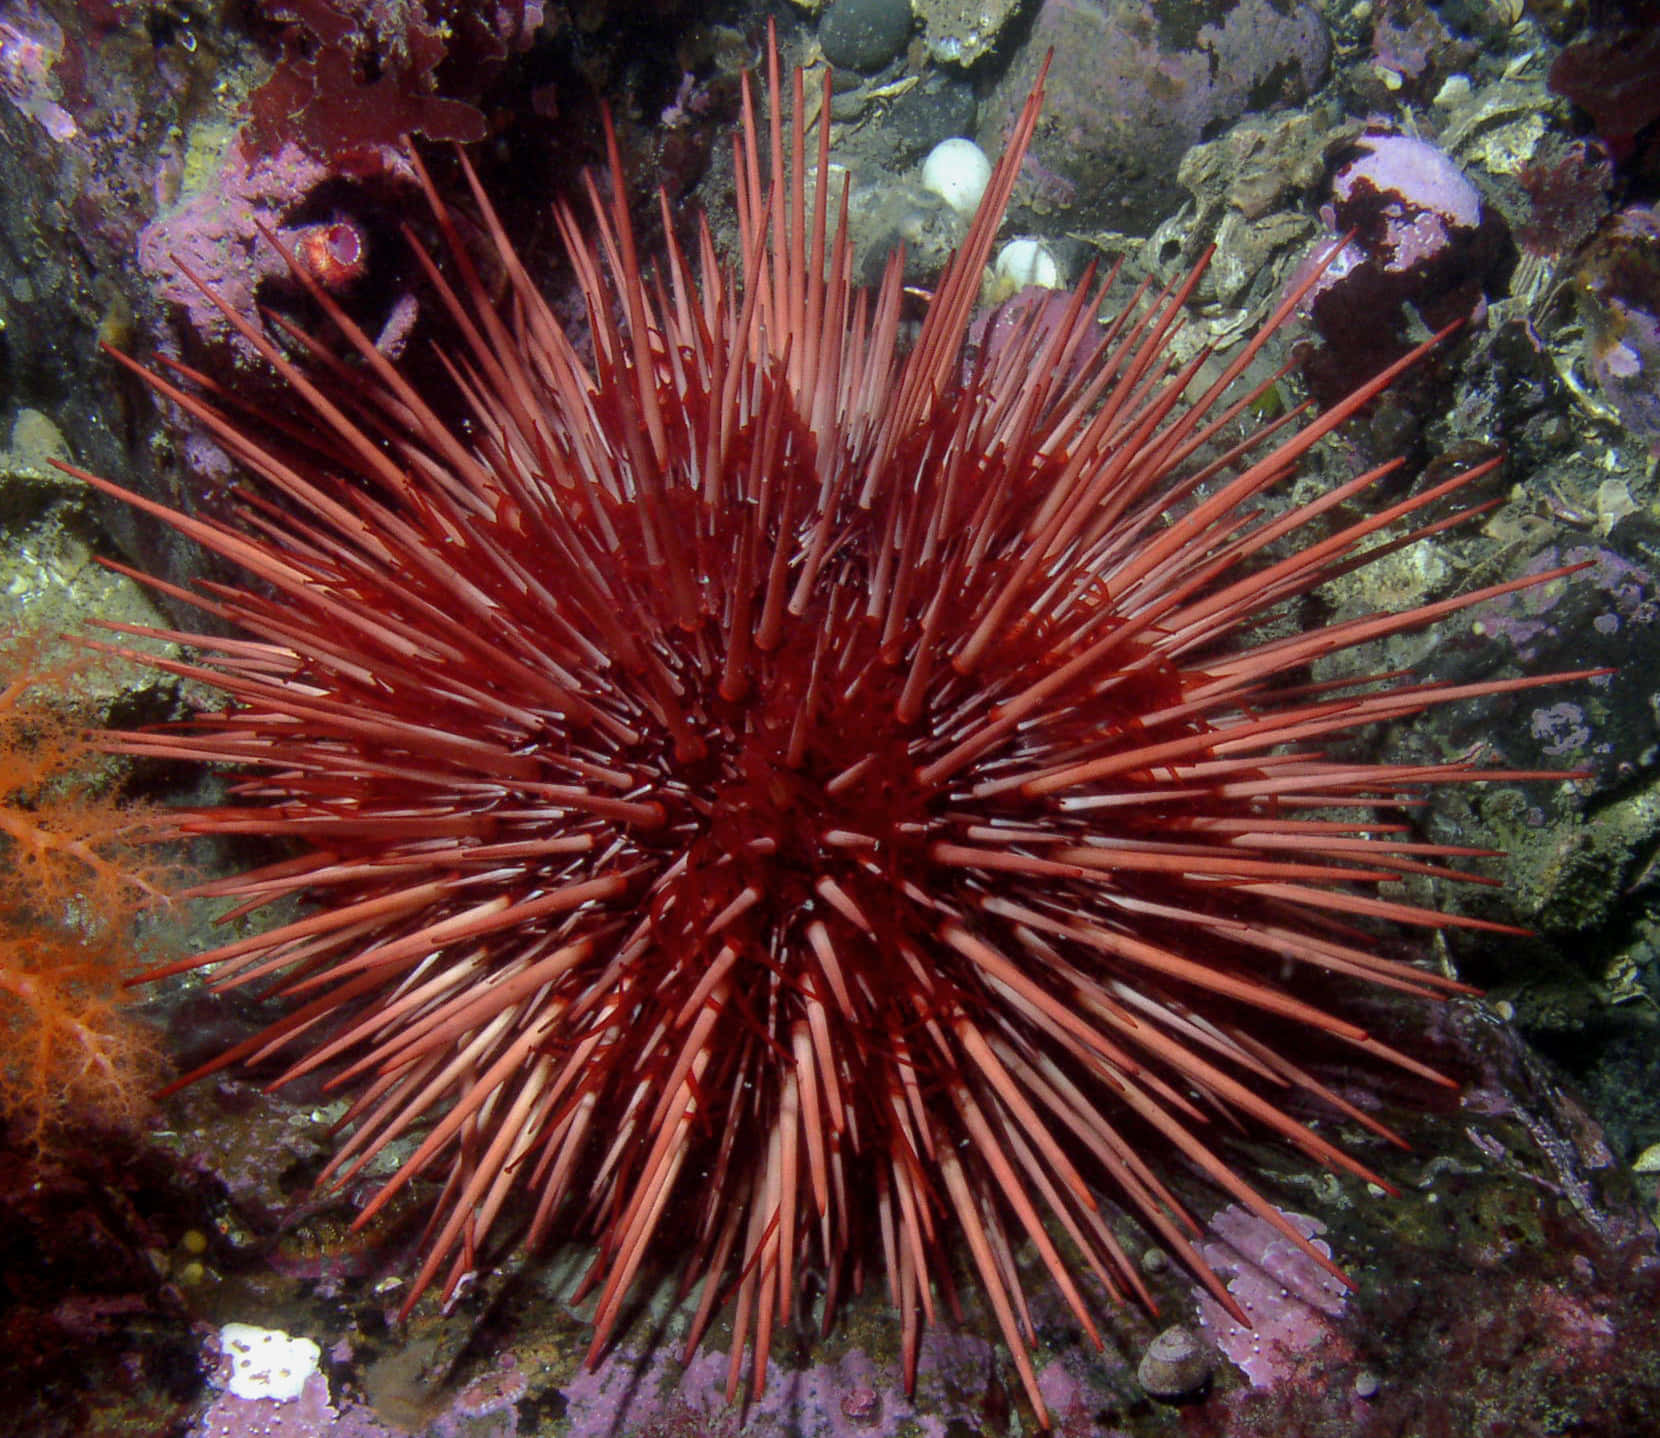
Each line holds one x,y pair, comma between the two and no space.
1423,250
864,34
1132,85
959,32
1515,1276
1618,283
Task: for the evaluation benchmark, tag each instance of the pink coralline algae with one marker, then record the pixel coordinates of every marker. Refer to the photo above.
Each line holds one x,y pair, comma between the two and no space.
213,238
310,1415
1561,729
649,1394
1421,247
1406,198
30,46
214,234
1075,1405
1412,42
1290,1300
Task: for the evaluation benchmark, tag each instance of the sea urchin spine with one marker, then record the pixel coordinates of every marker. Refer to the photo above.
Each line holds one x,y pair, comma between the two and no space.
773,793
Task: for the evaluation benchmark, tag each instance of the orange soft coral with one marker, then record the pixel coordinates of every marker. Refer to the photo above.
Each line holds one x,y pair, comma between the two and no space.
70,1052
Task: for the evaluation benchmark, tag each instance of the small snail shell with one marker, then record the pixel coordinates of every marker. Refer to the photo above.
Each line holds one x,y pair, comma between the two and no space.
1177,1364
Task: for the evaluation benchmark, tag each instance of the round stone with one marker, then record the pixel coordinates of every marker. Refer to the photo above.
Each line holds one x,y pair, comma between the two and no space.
864,34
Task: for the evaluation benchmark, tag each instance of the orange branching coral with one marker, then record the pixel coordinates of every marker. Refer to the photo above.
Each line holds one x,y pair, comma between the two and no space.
70,891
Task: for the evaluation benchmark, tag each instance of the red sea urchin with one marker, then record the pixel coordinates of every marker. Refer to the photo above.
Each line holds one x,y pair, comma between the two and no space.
770,795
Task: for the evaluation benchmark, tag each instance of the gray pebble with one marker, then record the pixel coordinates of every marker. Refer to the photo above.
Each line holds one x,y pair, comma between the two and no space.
864,34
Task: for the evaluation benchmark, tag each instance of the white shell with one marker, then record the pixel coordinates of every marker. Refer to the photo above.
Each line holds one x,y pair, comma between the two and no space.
1027,262
957,171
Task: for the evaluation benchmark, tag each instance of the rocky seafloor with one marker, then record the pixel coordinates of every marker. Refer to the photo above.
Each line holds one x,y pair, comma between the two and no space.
1493,163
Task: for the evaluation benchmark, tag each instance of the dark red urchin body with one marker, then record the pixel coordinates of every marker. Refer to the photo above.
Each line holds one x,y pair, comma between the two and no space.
825,794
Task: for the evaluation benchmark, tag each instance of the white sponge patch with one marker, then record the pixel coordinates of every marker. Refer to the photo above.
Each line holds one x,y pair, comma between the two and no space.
266,1363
